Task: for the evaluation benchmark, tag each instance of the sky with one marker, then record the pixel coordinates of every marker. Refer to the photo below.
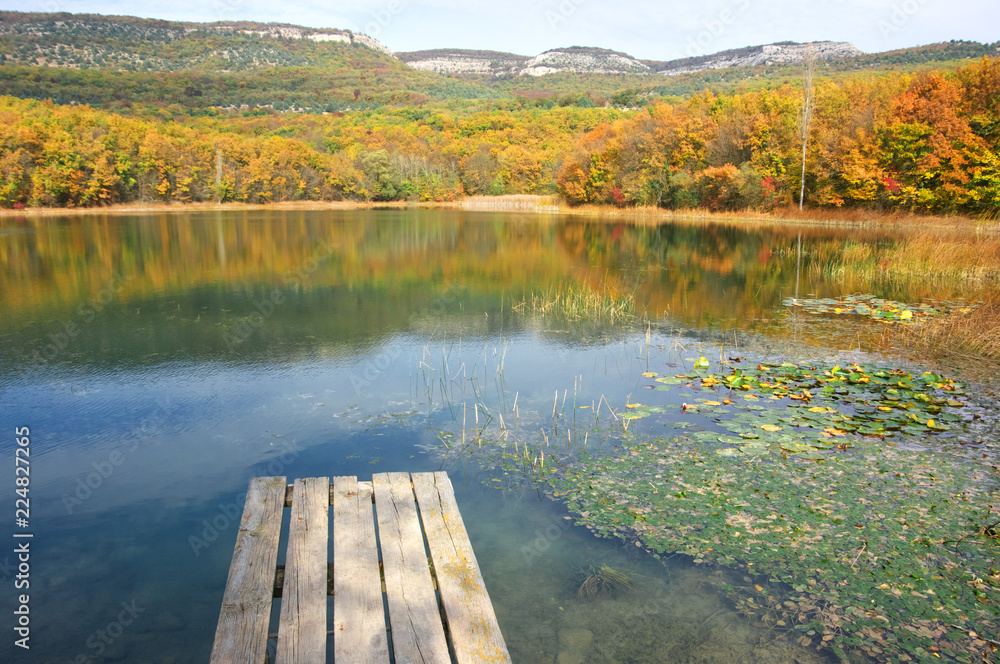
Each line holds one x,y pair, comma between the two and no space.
662,30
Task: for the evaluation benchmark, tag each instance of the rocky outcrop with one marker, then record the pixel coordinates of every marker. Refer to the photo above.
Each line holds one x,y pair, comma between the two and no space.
583,60
459,61
782,52
578,59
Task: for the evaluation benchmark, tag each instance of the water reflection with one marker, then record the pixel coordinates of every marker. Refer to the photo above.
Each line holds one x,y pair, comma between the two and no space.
163,360
108,289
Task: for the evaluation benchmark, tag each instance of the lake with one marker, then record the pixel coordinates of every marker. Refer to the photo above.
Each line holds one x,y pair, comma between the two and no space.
162,360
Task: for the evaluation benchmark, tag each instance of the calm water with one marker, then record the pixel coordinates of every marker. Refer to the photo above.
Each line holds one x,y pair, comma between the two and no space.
161,361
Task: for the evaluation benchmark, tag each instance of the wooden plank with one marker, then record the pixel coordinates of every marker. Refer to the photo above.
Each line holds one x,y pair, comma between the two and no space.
417,630
241,636
359,627
302,626
472,624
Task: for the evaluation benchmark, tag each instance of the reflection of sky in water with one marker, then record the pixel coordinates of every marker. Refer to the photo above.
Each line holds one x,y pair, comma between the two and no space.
147,426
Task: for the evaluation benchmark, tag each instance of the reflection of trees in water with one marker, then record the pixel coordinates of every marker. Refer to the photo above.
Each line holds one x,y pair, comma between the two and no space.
343,274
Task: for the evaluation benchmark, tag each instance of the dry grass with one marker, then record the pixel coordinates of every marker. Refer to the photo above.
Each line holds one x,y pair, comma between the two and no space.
929,259
145,208
973,336
861,216
790,215
511,203
941,265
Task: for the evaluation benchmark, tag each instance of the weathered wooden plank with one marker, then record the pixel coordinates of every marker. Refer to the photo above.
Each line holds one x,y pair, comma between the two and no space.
241,636
302,626
417,631
359,627
472,624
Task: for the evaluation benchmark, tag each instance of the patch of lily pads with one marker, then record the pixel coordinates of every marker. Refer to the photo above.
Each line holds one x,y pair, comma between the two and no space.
812,411
840,482
879,309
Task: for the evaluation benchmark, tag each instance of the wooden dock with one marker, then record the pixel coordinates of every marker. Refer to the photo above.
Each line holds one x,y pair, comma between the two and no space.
389,596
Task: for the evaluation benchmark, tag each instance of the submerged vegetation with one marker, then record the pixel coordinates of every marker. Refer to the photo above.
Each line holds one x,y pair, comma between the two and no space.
604,581
861,499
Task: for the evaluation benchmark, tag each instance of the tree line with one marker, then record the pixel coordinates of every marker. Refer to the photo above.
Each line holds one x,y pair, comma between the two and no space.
926,142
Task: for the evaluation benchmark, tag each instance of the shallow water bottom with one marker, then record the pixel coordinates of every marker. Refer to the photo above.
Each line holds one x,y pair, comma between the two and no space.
676,611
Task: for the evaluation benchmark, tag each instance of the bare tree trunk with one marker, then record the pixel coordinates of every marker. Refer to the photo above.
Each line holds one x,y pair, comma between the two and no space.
809,62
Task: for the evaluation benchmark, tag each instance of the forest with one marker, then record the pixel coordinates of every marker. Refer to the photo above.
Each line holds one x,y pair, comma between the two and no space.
925,142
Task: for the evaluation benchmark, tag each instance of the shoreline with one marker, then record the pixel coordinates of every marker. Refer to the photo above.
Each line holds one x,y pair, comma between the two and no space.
550,205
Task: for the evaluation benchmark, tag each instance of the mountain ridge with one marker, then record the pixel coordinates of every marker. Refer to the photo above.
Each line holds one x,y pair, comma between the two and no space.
119,42
245,66
581,59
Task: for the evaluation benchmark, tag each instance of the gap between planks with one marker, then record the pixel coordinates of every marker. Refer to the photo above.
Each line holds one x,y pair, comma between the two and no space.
290,490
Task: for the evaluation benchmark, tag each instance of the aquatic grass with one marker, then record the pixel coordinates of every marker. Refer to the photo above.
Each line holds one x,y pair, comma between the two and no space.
604,581
935,265
915,261
971,335
579,303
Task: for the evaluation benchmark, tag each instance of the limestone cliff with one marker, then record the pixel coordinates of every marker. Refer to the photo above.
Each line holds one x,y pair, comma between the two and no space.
782,52
572,59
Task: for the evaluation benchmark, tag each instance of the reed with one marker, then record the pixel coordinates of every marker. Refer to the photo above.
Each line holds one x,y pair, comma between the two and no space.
934,264
577,303
973,336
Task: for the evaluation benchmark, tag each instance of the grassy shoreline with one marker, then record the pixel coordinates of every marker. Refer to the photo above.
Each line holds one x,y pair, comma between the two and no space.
547,205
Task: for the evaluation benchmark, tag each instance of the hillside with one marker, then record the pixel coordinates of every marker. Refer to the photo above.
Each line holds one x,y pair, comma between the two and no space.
83,41
119,61
133,65
767,54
